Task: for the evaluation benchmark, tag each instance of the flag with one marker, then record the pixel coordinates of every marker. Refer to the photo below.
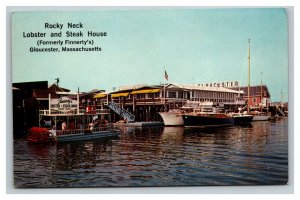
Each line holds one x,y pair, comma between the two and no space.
166,75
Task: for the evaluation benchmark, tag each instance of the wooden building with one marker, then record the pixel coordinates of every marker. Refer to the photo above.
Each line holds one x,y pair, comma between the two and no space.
259,95
28,99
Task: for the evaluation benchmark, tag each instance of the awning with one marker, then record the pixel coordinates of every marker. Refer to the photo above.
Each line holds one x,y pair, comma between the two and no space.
145,91
123,94
100,95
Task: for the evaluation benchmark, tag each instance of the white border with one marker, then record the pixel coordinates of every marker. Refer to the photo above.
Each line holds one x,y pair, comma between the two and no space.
174,190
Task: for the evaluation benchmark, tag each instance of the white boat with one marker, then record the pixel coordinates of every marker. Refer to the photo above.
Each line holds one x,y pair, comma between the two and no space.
260,116
174,117
241,118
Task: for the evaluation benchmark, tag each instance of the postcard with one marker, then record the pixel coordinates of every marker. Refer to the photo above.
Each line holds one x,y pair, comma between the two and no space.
150,97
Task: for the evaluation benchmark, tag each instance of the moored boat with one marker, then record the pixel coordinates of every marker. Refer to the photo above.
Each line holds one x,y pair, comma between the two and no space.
260,116
240,118
174,116
67,123
207,116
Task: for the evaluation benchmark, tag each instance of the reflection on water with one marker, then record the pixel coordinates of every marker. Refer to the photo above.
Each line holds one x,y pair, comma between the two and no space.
255,154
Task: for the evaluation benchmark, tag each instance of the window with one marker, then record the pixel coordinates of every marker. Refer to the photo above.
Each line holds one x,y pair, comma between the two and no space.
172,95
180,95
150,95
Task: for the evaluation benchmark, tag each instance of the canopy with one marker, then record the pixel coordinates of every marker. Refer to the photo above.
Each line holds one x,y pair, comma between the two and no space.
145,91
122,94
100,95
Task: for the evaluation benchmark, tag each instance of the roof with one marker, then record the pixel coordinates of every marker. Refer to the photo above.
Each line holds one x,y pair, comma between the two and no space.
134,88
100,95
256,90
148,89
90,94
43,94
53,89
199,87
26,88
56,88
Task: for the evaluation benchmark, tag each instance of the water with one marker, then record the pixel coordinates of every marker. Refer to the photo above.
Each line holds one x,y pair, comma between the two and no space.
256,154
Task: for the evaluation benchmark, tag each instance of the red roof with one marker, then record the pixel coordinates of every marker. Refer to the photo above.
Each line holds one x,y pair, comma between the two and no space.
256,91
43,93
56,88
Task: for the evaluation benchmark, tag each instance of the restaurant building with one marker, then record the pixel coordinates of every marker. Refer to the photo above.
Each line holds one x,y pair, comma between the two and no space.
144,101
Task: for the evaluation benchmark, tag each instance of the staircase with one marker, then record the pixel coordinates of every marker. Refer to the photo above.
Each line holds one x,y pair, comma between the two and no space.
121,111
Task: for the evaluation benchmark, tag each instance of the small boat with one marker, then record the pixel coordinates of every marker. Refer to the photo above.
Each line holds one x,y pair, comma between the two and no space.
174,116
241,118
260,116
71,124
207,116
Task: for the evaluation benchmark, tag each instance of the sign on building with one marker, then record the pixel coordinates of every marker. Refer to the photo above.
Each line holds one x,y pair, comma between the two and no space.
63,104
226,84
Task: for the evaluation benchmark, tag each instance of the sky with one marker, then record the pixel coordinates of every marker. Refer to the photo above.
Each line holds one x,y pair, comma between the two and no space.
193,45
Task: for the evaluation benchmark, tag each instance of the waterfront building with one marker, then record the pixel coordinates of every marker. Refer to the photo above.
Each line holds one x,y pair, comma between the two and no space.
24,105
221,95
42,95
28,99
144,102
259,95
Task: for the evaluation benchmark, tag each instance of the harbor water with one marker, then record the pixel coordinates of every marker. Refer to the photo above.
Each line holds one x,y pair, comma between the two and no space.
253,154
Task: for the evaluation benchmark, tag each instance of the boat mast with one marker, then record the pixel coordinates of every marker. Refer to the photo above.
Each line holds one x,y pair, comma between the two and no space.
248,76
164,89
261,96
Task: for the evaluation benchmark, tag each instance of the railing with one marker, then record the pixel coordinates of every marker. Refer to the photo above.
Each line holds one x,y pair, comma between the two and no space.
57,112
121,111
97,111
98,129
81,131
70,132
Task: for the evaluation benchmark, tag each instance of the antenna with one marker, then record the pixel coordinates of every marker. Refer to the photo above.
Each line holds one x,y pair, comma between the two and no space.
57,81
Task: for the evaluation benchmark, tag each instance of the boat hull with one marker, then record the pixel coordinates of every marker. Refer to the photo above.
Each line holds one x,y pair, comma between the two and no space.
171,119
243,119
198,120
261,117
87,136
39,135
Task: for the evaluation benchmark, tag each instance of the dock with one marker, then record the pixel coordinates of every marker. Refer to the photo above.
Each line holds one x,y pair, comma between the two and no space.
140,124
